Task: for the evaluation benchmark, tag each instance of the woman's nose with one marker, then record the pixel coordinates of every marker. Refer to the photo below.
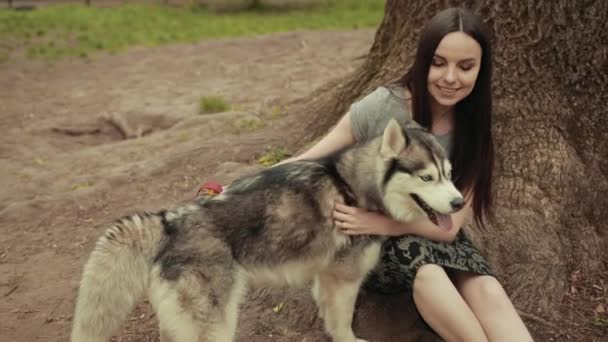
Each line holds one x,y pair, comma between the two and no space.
450,74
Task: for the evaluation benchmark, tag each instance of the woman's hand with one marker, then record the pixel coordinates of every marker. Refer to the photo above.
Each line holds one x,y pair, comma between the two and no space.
358,221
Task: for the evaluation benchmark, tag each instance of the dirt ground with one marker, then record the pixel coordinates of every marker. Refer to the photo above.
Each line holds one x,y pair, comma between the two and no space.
67,169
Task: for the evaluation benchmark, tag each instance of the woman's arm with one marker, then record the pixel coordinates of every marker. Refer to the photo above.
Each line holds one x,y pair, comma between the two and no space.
339,137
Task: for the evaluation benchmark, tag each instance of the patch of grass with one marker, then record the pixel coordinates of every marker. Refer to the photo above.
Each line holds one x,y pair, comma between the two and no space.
183,137
83,185
4,57
273,156
246,124
78,30
276,112
212,104
600,322
39,161
24,176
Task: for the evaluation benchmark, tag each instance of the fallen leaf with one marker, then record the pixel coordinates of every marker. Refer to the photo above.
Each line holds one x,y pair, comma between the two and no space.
599,309
278,308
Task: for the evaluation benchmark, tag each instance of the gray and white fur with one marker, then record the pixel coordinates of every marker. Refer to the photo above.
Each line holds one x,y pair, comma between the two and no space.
195,262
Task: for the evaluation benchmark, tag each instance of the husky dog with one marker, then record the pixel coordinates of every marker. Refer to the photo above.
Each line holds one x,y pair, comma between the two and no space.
275,226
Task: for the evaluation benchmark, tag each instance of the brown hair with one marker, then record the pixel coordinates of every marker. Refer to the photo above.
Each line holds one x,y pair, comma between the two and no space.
472,153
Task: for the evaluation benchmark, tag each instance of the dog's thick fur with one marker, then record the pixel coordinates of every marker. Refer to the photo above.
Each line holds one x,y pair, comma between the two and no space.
195,261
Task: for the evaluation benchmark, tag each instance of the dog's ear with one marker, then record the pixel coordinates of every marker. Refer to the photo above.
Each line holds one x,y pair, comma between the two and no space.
393,140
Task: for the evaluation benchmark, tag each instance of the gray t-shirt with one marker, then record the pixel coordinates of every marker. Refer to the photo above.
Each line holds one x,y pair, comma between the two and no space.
370,115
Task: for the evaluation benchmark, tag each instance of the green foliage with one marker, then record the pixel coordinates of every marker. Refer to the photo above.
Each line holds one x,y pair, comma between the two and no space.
212,104
246,124
4,57
273,156
77,30
83,185
39,161
600,322
276,112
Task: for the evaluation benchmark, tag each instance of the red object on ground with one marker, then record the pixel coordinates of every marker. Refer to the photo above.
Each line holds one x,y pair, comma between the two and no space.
210,189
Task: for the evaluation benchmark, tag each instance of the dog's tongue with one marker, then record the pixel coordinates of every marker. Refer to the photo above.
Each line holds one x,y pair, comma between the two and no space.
444,221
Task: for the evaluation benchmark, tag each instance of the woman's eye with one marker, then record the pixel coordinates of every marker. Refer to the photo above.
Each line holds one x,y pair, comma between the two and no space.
426,178
466,67
437,63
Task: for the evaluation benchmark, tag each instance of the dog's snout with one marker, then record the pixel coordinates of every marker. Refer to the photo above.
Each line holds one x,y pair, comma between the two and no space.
457,203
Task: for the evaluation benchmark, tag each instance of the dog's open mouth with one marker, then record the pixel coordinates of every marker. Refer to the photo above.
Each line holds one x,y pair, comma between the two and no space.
441,220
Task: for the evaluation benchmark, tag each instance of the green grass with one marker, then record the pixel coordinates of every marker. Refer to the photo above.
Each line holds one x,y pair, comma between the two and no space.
273,156
600,322
77,30
246,124
212,104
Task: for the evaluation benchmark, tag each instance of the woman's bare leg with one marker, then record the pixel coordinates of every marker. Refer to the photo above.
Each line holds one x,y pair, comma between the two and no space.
443,308
491,304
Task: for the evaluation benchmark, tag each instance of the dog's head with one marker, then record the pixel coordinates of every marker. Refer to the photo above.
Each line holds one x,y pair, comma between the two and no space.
417,176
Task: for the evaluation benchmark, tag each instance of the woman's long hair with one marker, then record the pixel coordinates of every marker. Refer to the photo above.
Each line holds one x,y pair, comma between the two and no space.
472,153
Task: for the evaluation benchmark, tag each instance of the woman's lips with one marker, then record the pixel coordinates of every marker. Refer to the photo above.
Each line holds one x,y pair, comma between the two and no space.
447,91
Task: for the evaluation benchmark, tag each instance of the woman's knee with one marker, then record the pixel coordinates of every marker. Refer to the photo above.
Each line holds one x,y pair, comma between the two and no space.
427,277
486,290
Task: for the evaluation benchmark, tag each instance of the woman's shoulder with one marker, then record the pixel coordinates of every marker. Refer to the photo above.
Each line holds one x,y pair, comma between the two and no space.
401,94
378,95
393,96
398,91
370,115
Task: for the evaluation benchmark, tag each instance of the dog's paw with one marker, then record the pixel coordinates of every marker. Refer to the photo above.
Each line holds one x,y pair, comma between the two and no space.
360,340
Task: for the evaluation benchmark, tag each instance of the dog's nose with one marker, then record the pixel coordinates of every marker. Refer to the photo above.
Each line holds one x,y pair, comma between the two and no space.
457,203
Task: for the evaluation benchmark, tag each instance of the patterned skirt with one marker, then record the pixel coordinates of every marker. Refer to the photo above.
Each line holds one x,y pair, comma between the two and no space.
402,257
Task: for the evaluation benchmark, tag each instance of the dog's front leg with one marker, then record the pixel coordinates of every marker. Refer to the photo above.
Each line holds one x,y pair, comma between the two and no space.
318,296
336,297
337,287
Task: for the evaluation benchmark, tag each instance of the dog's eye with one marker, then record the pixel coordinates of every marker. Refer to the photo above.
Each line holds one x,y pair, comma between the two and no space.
426,178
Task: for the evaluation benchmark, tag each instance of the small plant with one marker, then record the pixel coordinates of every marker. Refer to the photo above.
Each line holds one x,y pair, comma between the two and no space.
276,112
212,104
273,156
4,57
83,185
182,137
246,124
40,161
600,322
25,176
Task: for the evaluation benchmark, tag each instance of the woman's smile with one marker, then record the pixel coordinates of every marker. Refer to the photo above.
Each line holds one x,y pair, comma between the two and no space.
448,91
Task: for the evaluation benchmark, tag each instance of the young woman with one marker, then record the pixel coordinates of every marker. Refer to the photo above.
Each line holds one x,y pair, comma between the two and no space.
448,91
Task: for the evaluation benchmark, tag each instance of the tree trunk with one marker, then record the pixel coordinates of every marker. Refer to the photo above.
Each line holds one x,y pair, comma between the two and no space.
551,123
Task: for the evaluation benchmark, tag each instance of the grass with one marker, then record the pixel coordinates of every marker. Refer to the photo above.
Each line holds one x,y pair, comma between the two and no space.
246,124
83,185
76,30
273,156
600,322
212,104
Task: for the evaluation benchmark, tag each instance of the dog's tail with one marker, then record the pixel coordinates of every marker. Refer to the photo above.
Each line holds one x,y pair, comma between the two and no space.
116,276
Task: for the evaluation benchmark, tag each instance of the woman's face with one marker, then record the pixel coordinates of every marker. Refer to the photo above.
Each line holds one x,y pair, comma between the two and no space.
454,68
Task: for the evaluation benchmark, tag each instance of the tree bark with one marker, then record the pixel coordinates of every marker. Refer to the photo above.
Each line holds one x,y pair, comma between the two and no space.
550,122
